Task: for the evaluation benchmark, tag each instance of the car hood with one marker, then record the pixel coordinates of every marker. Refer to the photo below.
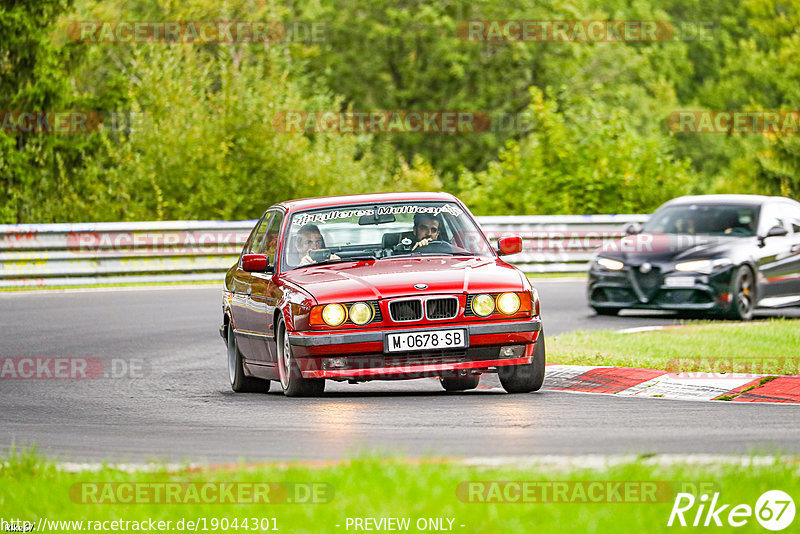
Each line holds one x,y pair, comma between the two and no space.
653,247
395,277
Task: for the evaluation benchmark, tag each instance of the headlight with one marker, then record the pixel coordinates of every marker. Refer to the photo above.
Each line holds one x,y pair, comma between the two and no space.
508,303
334,314
483,305
361,313
612,265
702,266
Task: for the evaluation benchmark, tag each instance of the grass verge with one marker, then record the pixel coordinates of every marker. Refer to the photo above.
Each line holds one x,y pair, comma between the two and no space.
759,347
632,497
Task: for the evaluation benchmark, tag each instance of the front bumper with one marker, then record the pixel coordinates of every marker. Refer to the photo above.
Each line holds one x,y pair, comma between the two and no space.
624,289
361,353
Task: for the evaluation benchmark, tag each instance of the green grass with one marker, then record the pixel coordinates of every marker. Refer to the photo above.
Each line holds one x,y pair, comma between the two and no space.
124,284
32,488
760,347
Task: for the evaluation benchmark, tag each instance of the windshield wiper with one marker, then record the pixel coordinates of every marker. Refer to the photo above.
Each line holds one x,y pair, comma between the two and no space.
341,260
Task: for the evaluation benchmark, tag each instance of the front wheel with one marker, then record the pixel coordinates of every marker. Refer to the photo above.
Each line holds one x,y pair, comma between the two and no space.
743,291
528,377
240,382
292,381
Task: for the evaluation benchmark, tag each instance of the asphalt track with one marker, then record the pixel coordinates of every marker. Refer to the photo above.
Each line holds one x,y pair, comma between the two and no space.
179,406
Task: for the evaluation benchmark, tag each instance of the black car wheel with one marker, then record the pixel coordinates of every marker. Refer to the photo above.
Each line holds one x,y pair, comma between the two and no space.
744,295
241,383
528,377
292,382
460,383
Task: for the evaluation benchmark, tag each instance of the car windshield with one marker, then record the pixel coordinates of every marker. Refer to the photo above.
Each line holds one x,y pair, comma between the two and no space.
377,231
704,219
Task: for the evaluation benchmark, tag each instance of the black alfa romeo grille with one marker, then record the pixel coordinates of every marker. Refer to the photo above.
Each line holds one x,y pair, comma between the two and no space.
446,308
406,310
648,283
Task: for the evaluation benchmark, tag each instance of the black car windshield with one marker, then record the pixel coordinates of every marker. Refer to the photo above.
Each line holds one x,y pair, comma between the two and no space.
377,231
704,219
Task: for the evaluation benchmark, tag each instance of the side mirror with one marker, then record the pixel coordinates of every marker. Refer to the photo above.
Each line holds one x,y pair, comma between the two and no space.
509,245
255,263
777,231
633,229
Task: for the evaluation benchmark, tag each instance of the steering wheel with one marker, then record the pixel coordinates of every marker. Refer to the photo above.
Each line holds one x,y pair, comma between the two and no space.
435,246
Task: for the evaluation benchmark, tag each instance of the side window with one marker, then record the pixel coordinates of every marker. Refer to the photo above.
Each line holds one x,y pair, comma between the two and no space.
793,217
270,243
257,238
771,215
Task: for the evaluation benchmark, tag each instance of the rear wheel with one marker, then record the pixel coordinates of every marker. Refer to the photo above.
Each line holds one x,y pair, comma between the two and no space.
528,377
744,296
461,383
241,383
292,382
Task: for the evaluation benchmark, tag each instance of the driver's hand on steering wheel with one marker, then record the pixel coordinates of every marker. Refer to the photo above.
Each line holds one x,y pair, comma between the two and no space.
422,243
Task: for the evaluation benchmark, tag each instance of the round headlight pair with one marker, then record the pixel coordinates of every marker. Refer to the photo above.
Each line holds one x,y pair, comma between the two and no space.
506,303
336,314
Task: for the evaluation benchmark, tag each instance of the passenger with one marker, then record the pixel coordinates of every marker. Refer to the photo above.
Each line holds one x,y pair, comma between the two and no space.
309,238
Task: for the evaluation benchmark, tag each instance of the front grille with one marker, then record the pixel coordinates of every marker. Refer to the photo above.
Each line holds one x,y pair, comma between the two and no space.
445,308
648,283
468,309
406,310
377,309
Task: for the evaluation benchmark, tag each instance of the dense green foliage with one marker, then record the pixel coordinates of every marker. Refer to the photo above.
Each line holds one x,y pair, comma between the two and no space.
577,127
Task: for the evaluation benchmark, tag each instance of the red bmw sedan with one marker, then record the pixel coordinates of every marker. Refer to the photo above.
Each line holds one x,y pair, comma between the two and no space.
378,287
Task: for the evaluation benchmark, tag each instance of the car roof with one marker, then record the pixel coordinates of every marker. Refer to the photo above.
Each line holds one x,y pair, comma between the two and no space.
750,200
323,202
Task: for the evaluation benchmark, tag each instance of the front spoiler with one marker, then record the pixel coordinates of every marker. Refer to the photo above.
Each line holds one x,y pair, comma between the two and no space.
421,370
318,339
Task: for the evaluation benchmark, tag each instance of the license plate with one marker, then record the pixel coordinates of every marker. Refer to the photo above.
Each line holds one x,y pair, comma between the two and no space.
679,281
426,340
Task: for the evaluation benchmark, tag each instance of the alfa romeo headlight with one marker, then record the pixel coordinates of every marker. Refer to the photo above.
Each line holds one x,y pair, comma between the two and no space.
610,264
483,304
508,303
334,314
361,313
702,266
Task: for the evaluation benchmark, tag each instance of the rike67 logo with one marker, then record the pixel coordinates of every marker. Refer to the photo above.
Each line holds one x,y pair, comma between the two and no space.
774,510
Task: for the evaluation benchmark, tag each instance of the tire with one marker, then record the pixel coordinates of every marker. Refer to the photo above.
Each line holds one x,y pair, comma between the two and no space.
606,311
528,377
241,383
744,296
461,383
292,382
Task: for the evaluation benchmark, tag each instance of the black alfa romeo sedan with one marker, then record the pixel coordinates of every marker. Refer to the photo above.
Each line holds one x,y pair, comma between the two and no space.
720,254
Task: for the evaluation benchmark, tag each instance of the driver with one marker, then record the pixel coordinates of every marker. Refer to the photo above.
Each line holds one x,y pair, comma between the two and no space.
426,229
310,238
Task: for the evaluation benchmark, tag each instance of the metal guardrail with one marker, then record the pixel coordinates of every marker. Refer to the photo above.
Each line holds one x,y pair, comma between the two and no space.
112,253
